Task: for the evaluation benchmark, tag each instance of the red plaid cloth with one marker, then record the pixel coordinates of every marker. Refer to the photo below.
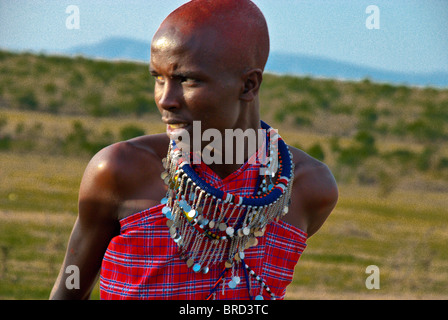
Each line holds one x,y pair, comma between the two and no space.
142,262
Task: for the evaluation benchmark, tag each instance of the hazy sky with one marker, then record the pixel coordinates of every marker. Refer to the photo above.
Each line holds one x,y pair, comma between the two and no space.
412,34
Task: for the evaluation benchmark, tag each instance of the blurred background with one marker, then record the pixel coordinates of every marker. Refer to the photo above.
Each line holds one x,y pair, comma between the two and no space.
360,85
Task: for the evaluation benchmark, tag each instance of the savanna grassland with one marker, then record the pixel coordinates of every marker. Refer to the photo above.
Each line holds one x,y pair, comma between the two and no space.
386,145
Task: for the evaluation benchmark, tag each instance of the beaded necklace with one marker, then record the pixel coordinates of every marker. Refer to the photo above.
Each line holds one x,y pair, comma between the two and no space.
210,226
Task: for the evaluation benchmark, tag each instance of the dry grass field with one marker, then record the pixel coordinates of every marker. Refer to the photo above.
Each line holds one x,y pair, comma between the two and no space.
404,235
385,144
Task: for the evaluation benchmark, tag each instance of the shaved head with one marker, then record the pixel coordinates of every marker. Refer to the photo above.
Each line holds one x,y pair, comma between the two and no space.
235,28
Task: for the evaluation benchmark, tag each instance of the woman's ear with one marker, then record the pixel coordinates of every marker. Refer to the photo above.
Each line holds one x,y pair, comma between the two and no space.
252,81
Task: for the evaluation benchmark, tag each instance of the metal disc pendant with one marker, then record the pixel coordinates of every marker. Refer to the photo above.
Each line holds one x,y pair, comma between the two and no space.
190,263
259,297
222,226
197,267
187,208
232,284
192,213
167,212
166,209
252,242
182,203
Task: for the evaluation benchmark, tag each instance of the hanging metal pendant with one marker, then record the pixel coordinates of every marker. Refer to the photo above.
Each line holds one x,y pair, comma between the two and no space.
197,267
190,263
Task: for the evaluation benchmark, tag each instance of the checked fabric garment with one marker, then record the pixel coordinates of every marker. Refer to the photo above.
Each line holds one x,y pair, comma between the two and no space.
142,262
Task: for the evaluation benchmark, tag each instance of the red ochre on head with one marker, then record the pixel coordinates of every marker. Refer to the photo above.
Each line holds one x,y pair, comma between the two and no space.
235,28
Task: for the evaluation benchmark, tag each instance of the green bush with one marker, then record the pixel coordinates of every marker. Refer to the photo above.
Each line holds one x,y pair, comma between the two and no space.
424,160
93,104
27,100
81,141
342,109
296,84
436,112
76,79
365,143
302,121
141,104
5,142
95,144
349,157
424,130
41,68
386,90
298,111
334,145
362,148
54,106
402,156
131,131
443,164
316,151
50,88
402,159
77,141
368,118
103,70
5,139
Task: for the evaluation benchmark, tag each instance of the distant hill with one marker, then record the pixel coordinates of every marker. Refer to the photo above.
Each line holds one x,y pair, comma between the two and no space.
114,48
281,63
321,67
